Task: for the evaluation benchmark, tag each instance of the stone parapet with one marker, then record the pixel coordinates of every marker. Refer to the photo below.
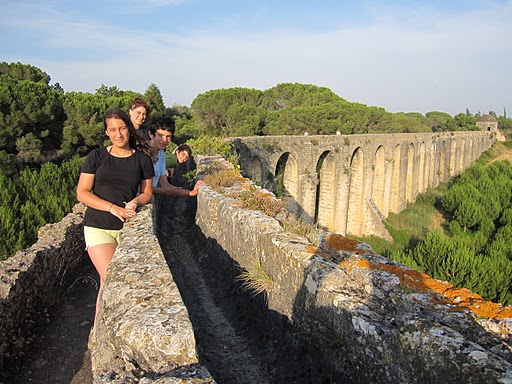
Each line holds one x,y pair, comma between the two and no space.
143,328
31,280
379,321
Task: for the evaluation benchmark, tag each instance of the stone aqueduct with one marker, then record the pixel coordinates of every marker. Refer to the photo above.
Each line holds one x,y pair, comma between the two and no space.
348,183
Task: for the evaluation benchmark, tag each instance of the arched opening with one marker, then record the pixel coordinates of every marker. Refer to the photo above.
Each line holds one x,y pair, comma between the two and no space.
379,180
355,217
432,165
441,173
462,155
409,182
453,167
422,175
394,204
287,182
326,191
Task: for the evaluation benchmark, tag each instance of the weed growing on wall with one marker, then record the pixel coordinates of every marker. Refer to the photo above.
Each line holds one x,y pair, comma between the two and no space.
221,179
298,226
255,279
255,199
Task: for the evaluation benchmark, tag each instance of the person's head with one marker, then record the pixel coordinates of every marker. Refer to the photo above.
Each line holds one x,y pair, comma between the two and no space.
119,128
183,153
161,131
139,112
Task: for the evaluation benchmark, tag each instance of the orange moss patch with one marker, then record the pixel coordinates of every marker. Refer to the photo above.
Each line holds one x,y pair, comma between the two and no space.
341,243
460,298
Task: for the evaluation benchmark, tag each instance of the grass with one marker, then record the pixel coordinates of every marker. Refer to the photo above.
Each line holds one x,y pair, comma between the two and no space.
255,199
412,224
310,231
255,279
218,179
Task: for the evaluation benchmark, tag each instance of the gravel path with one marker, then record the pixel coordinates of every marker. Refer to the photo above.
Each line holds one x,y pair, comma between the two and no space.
59,352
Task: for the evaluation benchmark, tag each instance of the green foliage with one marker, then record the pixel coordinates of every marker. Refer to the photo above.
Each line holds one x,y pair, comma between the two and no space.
26,72
411,225
291,95
466,122
292,109
83,129
34,199
440,121
253,198
8,164
214,111
105,91
475,250
209,146
154,98
29,108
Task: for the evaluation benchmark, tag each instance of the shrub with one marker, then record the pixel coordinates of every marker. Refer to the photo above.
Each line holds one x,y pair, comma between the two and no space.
294,225
255,199
221,179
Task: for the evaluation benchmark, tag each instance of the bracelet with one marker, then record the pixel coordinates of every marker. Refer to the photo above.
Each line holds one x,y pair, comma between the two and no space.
109,208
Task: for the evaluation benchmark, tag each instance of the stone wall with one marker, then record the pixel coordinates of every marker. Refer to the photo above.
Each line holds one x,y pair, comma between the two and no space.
327,179
379,321
143,328
30,281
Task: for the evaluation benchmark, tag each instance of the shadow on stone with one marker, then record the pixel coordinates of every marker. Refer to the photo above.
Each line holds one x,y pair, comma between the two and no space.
238,338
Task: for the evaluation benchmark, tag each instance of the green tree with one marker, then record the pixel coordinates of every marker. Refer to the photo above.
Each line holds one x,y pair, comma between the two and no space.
465,122
83,129
468,214
28,107
154,98
211,108
440,121
8,164
29,148
105,91
290,95
26,72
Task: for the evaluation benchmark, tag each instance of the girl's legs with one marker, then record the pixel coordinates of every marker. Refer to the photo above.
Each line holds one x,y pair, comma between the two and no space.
100,256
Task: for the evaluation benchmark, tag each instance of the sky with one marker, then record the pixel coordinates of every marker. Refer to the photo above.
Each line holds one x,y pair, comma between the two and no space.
401,55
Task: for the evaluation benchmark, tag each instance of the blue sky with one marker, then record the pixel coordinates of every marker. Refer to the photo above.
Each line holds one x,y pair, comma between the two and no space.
402,55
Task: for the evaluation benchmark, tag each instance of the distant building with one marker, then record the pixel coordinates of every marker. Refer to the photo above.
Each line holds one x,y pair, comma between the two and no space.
487,123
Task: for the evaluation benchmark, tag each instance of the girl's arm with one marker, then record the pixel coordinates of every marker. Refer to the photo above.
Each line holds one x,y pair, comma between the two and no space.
146,191
84,193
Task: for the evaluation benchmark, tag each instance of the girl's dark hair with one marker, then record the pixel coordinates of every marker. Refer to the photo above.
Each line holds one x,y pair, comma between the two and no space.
184,147
135,141
138,102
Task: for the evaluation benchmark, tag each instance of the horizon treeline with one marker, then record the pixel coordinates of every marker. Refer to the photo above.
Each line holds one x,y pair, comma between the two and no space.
40,122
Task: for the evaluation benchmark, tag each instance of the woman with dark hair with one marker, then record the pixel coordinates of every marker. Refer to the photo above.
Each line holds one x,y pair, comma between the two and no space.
113,182
139,112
